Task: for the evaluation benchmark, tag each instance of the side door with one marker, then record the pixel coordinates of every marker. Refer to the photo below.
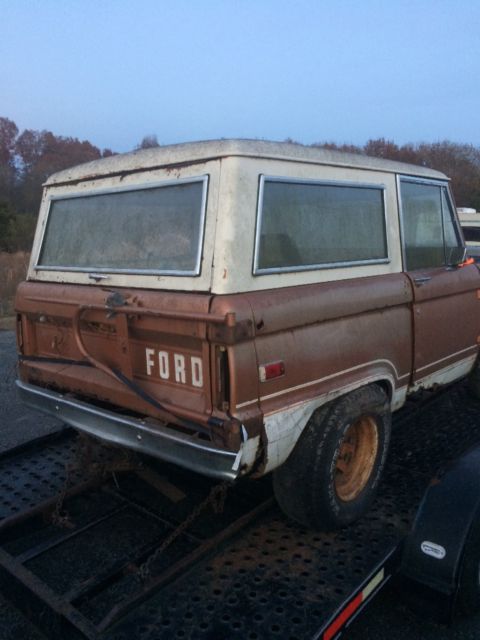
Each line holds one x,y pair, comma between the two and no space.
446,291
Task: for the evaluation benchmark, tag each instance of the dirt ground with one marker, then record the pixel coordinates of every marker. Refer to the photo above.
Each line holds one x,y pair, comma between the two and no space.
17,423
7,324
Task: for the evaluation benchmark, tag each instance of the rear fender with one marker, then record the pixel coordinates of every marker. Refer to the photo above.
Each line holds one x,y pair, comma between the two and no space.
283,428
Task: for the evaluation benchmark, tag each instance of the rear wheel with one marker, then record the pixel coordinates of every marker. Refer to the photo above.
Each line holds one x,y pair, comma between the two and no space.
331,477
356,458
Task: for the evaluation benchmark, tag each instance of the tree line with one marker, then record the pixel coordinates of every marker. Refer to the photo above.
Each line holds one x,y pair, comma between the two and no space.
26,161
460,162
28,158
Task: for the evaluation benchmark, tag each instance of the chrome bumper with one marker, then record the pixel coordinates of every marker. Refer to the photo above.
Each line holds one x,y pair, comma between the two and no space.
159,441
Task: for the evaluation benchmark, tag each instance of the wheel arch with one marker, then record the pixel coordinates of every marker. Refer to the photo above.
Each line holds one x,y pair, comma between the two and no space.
387,386
283,428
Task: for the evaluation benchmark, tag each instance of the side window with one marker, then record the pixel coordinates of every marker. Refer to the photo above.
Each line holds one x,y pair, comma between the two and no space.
453,243
430,235
305,225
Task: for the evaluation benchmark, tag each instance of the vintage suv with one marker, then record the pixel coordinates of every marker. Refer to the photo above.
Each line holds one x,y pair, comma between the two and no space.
240,307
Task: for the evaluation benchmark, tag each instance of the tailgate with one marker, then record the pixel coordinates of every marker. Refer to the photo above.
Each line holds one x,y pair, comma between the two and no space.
143,351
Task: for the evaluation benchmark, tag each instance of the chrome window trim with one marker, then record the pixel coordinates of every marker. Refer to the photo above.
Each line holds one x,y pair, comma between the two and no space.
454,218
256,271
445,184
128,188
401,221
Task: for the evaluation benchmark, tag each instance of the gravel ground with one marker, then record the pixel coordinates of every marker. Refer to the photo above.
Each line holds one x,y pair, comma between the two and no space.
387,618
17,424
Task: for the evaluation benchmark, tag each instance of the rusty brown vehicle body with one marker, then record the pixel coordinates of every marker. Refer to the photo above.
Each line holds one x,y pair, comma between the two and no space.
310,301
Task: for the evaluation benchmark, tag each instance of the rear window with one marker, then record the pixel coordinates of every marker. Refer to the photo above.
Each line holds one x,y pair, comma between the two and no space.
154,229
306,225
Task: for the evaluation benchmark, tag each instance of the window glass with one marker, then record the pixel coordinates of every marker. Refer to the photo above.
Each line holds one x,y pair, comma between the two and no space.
430,237
303,225
453,244
156,229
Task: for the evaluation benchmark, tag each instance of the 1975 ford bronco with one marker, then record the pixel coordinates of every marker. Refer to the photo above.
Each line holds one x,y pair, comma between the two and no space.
241,307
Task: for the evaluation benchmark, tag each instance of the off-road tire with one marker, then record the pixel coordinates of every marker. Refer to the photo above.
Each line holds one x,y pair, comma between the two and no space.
306,486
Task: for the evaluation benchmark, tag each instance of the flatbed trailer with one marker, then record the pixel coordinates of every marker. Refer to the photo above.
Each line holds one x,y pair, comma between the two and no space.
97,544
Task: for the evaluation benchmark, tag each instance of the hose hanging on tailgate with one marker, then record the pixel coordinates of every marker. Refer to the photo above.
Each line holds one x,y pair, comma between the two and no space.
211,422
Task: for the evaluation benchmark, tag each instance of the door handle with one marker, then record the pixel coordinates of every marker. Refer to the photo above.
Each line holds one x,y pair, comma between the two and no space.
421,280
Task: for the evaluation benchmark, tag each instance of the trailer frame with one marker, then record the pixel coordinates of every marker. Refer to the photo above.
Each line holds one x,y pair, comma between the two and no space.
246,572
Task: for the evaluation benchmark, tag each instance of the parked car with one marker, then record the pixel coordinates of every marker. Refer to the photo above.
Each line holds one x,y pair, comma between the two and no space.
470,222
246,307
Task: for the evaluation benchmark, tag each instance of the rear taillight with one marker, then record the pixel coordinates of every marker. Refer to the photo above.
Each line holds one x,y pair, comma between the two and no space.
223,380
271,370
19,333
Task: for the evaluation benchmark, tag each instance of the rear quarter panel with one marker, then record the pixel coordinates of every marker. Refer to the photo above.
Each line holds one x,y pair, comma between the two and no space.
332,338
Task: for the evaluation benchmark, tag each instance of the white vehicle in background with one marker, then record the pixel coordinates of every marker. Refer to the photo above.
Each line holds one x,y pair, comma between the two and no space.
470,223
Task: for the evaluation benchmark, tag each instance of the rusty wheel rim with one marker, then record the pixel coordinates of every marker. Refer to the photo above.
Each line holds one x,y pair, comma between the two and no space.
356,458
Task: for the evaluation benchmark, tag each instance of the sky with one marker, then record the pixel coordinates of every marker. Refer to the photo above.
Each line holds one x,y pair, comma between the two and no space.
344,71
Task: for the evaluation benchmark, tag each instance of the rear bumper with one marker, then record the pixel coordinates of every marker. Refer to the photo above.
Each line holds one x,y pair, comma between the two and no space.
159,441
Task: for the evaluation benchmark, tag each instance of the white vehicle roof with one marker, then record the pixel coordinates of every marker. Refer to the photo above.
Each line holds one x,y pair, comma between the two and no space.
191,152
